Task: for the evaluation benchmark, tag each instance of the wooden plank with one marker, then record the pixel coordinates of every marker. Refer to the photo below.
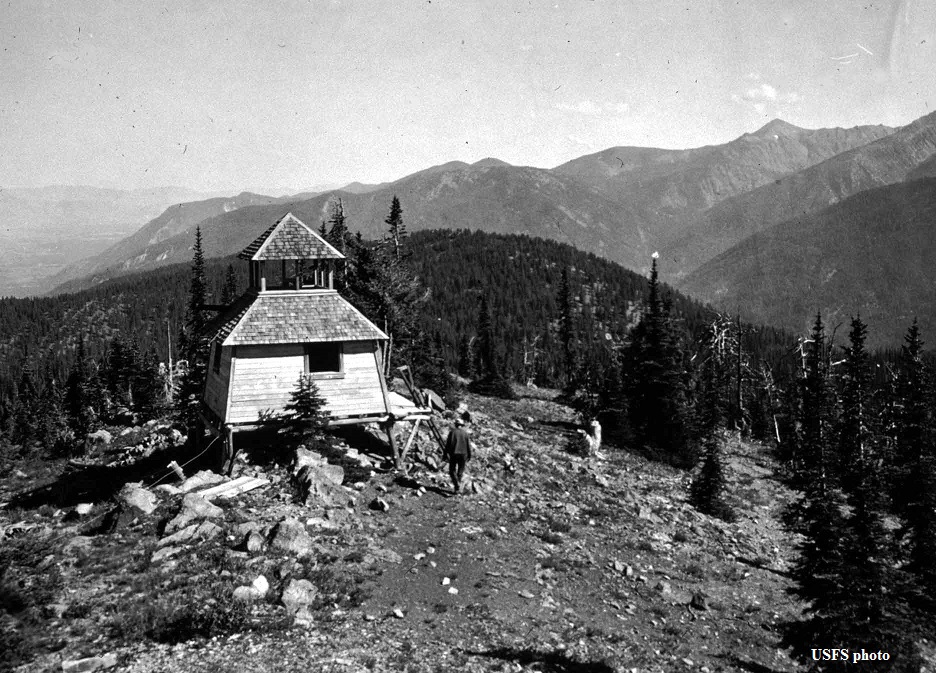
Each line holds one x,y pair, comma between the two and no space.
409,442
233,487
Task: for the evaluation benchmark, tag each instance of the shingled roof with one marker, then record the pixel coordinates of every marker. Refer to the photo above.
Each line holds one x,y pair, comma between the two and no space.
289,238
294,317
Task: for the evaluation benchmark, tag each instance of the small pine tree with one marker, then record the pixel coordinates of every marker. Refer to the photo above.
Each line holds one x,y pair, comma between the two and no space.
306,421
708,486
567,326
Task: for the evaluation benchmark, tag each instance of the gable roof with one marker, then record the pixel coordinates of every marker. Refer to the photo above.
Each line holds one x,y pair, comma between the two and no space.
294,317
289,238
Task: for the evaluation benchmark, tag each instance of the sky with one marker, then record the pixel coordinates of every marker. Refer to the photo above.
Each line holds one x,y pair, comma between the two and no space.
222,95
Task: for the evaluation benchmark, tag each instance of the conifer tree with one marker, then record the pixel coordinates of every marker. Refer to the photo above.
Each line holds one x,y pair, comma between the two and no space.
708,487
229,290
567,326
194,341
79,395
915,479
338,234
53,430
396,229
25,408
491,379
655,381
306,421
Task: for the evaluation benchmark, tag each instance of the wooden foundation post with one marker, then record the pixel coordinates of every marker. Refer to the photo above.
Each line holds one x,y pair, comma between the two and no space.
228,451
409,443
388,428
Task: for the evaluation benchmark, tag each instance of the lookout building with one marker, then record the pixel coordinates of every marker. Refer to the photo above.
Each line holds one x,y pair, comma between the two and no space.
291,321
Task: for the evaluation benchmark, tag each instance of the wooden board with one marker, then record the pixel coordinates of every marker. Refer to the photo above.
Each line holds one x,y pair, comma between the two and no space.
234,487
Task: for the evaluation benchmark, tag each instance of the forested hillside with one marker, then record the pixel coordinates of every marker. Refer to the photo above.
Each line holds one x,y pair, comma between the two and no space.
519,276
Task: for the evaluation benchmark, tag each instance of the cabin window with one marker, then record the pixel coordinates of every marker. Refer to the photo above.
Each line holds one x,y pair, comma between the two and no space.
323,358
216,361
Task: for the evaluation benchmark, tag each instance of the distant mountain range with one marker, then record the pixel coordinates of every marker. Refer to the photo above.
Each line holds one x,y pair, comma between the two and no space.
873,254
694,206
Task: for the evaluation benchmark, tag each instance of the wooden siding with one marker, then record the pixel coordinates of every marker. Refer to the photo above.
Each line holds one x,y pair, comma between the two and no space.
216,383
265,376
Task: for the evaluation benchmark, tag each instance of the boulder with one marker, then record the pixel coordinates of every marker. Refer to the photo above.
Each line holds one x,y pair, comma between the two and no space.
89,664
255,592
165,552
194,507
318,486
100,438
297,595
196,531
134,496
291,536
380,505
83,508
305,457
253,542
200,480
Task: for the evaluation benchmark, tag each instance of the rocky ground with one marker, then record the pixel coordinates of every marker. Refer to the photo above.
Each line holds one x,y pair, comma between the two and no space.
551,562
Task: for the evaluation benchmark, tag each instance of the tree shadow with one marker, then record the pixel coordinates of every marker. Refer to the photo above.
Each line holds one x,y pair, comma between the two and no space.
555,661
760,566
98,483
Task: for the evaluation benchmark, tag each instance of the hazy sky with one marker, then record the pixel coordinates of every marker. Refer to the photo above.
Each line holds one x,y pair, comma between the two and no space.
224,95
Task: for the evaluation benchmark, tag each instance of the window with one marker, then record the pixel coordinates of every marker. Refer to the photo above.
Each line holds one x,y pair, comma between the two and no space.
324,359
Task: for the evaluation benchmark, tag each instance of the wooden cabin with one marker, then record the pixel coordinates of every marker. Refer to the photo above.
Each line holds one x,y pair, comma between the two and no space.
291,321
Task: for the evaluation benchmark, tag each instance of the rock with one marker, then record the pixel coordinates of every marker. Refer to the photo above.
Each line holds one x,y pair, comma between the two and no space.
162,554
699,601
245,594
320,485
195,531
380,505
200,480
665,588
375,554
78,546
100,438
193,507
526,594
306,458
168,489
253,542
261,584
291,536
134,496
398,613
83,508
177,438
19,474
89,664
298,594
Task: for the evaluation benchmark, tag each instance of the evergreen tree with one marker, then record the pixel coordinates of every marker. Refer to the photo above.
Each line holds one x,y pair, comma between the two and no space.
387,290
914,488
53,430
306,421
194,341
229,291
338,234
567,326
491,379
396,229
655,380
708,487
80,395
24,429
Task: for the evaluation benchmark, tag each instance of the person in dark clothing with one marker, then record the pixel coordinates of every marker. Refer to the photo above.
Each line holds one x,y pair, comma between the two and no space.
458,452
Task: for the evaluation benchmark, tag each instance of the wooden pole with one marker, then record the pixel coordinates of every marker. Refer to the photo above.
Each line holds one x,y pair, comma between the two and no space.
409,442
388,427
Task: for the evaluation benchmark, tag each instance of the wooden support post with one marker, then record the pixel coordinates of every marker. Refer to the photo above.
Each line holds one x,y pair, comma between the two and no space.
409,443
228,451
331,275
388,428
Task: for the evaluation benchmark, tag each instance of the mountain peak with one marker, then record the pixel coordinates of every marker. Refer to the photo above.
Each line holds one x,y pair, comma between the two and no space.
777,127
488,162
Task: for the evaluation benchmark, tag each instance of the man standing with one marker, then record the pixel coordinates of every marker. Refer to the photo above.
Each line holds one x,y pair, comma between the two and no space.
458,451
